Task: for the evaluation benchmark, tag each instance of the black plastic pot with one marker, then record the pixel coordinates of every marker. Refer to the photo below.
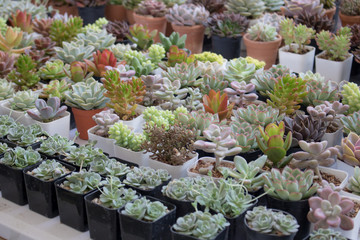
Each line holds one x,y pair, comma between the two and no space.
251,156
313,44
91,14
182,207
71,206
130,164
178,236
72,118
103,222
156,192
13,185
262,200
14,144
229,48
299,209
355,71
253,235
133,229
41,194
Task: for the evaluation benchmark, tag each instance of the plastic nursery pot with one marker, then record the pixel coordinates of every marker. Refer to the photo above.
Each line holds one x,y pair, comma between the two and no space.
71,206
91,14
84,121
41,194
115,12
251,155
262,201
155,192
13,184
178,236
229,48
72,118
182,207
103,222
254,235
152,23
134,229
299,209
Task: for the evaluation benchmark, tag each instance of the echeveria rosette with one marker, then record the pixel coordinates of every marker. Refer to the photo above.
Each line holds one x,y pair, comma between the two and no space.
47,111
350,149
354,182
329,209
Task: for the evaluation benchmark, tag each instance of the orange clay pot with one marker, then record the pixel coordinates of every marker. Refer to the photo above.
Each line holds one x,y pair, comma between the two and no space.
152,23
115,12
330,12
349,20
130,16
84,121
195,36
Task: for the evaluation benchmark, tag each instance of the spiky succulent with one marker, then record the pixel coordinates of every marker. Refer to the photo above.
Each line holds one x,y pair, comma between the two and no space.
82,182
119,29
351,96
74,51
151,8
146,178
187,15
6,89
56,145
109,167
99,40
65,31
25,74
6,63
349,149
227,24
248,8
101,60
262,32
87,95
290,184
329,234
20,157
350,7
144,209
49,170
125,138
239,70
23,100
47,111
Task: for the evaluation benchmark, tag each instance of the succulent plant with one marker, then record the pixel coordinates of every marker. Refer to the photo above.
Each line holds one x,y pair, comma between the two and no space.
202,225
46,45
74,51
131,4
23,100
351,123
99,40
240,93
274,5
354,182
82,182
55,88
350,7
270,222
272,19
328,4
20,157
100,62
217,103
42,26
173,40
187,15
176,55
227,24
144,209
287,94
214,82
290,184
119,29
125,138
61,31
22,20
47,111
52,70
25,74
87,95
329,209
10,41
146,178
262,32
351,94
329,234
104,120
6,124
141,36
173,145
109,167
211,5
49,170
6,89
156,54
244,134
83,156
349,149
248,8
3,148
151,8
221,143
187,74
119,50
89,3
152,83
157,117
239,70
355,38
78,72
209,57
56,145
25,135
6,63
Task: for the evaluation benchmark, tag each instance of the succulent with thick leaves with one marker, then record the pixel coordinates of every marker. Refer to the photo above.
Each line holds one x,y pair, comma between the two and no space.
211,5
239,70
217,103
262,32
287,94
22,20
104,120
119,50
151,8
157,117
56,145
270,222
227,24
221,143
214,82
89,3
23,100
187,15
350,7
274,5
47,111
247,173
46,45
141,68
3,148
42,26
99,40
118,29
176,55
78,72
314,154
87,95
156,54
290,184
330,234
6,124
131,4
248,8
240,93
82,182
351,96
244,134
329,209
294,8
6,63
100,62
141,36
126,73
6,89
354,182
350,149
124,137
273,19
316,22
351,123
49,170
144,209
38,56
272,144
173,40
146,178
74,51
52,70
207,56
109,167
201,225
20,157
355,38
25,135
55,88
61,31
187,74
211,68
84,155
152,84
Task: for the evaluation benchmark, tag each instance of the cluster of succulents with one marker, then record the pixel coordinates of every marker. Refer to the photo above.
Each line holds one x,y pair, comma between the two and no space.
187,15
248,8
151,8
82,182
153,209
146,178
49,170
227,24
26,135
350,94
56,145
99,40
262,32
20,157
65,31
83,156
328,233
23,100
239,70
24,75
350,7
109,167
124,137
351,123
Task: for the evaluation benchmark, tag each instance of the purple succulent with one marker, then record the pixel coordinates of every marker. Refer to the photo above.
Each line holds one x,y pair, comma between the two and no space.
47,111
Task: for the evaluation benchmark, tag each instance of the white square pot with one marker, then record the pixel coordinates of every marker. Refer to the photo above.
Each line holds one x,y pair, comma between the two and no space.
139,158
339,174
175,171
18,116
297,62
332,70
59,126
106,144
333,139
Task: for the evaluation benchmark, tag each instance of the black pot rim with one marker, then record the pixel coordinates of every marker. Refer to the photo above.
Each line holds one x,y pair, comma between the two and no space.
301,201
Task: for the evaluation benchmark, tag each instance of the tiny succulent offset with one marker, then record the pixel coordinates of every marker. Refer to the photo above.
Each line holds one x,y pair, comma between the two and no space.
145,210
47,111
49,170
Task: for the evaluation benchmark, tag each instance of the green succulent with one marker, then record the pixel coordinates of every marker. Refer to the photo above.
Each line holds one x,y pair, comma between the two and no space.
141,68
99,40
173,39
131,4
239,70
6,123
244,134
354,182
274,5
351,96
52,70
20,157
326,234
87,95
23,100
119,50
154,116
187,74
74,51
25,73
156,54
146,178
56,145
25,135
56,88
49,170
215,82
262,32
351,123
290,184
209,57
109,167
61,31
130,54
248,8
141,36
84,155
125,138
3,148
82,182
146,210
7,89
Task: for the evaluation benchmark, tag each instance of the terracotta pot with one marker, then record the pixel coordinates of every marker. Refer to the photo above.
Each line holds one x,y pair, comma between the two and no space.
330,12
152,23
84,121
349,20
195,36
70,10
115,12
130,16
169,29
263,51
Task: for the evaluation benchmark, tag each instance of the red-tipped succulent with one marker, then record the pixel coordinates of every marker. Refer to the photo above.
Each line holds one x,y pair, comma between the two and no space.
22,20
217,103
101,60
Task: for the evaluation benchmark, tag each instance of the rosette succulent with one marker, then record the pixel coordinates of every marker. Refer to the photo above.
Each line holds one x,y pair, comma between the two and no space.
109,167
74,51
55,88
239,70
322,234
146,178
49,170
118,29
262,32
151,8
99,40
82,182
104,120
20,157
146,210
47,111
227,24
187,15
350,149
7,89
248,8
241,94
23,100
351,123
52,70
25,74
84,155
7,63
56,145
